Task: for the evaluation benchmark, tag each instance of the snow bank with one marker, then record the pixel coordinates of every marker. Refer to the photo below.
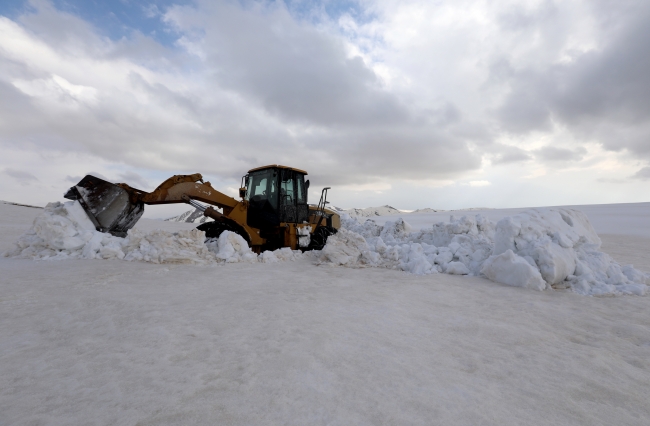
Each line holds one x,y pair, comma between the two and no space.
63,231
538,249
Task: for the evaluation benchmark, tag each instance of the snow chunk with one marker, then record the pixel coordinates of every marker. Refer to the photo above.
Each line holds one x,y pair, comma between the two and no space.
347,248
508,268
232,247
164,247
457,268
280,255
304,236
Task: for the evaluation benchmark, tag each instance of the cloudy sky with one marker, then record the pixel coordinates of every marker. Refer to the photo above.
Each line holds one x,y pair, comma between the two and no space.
444,104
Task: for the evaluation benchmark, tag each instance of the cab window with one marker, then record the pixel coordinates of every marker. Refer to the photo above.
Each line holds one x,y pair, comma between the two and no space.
287,195
262,186
300,189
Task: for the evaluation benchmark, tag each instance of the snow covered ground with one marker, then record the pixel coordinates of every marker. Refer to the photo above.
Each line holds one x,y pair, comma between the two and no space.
111,342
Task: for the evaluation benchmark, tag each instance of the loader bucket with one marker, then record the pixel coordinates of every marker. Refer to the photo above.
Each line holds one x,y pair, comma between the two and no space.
107,205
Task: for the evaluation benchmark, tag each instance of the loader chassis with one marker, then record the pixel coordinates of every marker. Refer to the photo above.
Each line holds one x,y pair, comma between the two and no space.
273,212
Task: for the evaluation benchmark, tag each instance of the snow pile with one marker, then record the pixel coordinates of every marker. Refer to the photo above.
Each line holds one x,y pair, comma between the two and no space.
538,249
63,231
563,246
459,247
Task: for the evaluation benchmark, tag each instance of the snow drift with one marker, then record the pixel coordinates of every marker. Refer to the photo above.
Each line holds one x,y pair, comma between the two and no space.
538,249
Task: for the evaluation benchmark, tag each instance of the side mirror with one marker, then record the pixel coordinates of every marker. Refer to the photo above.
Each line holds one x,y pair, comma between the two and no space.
307,184
242,192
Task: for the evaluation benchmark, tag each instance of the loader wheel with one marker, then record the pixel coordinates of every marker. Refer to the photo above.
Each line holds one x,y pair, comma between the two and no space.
319,237
215,229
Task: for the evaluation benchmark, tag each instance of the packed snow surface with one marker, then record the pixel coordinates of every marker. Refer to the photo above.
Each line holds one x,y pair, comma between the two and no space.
298,343
538,249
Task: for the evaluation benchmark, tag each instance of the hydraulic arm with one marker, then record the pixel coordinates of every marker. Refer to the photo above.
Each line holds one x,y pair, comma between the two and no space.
115,208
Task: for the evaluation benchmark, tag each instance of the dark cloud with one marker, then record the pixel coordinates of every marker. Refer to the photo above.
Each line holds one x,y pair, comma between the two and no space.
413,153
602,95
263,89
643,174
551,154
509,154
446,114
23,177
520,19
524,109
248,84
612,83
134,179
292,69
76,179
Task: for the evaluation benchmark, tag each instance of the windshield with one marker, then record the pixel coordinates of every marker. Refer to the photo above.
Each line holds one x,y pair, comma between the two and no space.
262,186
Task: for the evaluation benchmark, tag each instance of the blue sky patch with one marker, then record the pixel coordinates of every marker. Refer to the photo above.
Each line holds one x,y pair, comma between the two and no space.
115,19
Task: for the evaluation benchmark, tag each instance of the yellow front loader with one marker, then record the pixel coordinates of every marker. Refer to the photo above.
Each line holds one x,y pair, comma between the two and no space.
273,211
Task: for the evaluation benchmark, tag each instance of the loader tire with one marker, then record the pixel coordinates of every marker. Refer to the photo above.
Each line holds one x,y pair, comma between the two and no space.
214,229
320,236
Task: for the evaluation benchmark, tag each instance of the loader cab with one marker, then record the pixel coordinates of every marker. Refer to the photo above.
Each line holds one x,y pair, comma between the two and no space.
275,195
